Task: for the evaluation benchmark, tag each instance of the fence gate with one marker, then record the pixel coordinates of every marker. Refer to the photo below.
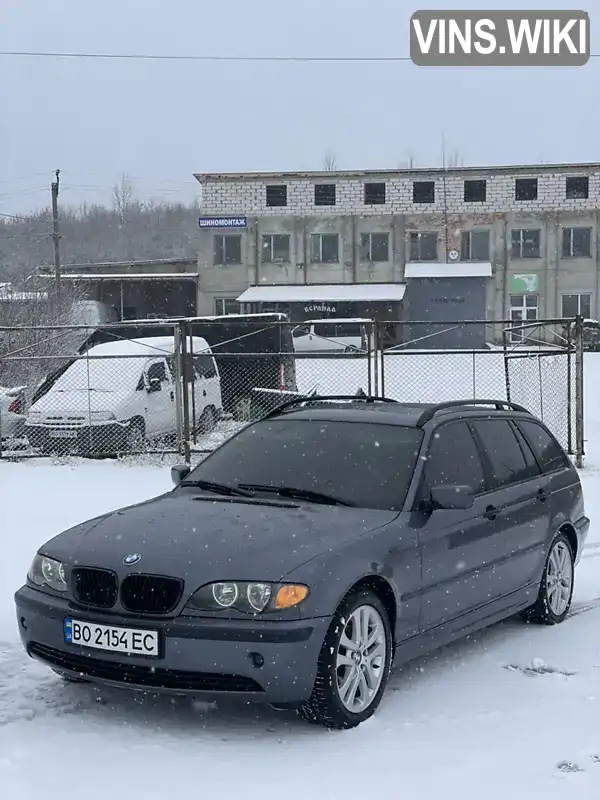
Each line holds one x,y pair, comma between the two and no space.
537,364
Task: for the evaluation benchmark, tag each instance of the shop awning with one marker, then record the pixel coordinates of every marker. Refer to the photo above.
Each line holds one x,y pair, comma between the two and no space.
325,293
437,269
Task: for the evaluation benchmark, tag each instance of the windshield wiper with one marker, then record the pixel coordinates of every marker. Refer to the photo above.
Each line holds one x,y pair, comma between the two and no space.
217,488
296,494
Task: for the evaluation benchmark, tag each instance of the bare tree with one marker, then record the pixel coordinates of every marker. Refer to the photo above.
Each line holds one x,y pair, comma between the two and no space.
329,162
123,197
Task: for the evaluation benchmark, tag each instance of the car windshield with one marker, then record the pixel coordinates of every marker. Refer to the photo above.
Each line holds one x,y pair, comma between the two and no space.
361,464
101,375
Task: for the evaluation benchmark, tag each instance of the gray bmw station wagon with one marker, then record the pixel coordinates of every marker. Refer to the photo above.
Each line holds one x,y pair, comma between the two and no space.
310,550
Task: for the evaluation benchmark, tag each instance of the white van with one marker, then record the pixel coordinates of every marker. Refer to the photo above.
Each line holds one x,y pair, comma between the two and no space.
327,335
121,394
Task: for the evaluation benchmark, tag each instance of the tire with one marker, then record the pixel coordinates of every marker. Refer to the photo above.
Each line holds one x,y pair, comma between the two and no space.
207,421
136,437
547,610
242,409
326,706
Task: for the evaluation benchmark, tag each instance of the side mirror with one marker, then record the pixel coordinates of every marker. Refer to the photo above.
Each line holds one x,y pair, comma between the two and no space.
179,473
154,385
452,497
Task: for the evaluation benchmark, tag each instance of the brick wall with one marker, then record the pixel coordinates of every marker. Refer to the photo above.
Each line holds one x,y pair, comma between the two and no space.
223,196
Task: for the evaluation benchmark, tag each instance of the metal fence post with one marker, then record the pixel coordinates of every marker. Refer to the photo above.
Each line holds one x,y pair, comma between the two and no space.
579,408
186,381
381,339
177,361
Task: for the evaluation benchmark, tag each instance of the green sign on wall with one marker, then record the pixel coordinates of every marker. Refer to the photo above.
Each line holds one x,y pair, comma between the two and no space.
521,284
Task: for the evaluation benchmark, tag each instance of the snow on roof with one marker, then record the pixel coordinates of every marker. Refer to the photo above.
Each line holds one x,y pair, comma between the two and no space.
335,320
448,270
323,292
145,348
125,276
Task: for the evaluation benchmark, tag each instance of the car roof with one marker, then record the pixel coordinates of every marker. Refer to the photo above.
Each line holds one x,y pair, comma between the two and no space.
393,413
148,347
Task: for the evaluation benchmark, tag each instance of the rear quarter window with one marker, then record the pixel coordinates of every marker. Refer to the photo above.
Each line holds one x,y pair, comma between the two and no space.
548,452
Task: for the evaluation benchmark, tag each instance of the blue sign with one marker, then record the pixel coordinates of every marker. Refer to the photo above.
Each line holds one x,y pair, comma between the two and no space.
222,222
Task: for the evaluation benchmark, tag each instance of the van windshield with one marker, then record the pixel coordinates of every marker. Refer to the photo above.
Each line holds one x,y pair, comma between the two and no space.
101,375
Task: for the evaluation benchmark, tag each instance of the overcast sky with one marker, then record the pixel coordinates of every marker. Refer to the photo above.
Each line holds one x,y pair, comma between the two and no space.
162,121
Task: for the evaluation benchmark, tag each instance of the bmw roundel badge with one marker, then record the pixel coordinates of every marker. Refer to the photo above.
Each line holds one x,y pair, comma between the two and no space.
132,558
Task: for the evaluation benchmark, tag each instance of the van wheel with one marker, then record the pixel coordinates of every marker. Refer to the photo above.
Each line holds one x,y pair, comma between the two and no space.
208,420
136,437
556,589
354,664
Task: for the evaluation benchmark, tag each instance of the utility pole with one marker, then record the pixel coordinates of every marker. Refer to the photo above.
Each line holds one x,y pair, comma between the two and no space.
56,237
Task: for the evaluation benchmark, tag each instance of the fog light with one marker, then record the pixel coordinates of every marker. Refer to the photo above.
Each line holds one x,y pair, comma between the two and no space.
257,659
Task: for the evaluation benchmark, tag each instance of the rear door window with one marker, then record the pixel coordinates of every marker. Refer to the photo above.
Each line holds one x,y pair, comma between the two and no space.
453,460
501,446
547,450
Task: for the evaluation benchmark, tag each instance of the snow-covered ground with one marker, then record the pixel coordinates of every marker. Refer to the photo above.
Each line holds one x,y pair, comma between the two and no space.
510,713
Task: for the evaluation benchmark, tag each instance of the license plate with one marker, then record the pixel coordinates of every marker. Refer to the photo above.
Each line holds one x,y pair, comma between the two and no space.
108,637
62,434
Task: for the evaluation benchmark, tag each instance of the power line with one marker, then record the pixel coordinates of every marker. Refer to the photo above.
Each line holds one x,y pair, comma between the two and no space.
158,57
170,57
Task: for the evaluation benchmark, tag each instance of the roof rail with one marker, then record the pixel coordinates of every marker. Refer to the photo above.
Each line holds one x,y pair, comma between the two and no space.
360,396
499,405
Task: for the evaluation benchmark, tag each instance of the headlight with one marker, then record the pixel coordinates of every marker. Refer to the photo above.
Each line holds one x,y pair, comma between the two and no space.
250,597
46,571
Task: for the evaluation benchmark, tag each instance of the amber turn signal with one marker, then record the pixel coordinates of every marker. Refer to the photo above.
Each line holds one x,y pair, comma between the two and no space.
290,595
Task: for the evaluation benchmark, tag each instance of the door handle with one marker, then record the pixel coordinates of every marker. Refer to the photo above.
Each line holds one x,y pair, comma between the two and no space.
491,512
542,495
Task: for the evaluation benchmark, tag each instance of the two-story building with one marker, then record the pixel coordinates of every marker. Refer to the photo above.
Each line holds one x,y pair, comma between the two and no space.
440,245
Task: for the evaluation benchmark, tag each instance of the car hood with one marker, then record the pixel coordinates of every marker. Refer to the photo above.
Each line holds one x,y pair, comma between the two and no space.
192,536
78,401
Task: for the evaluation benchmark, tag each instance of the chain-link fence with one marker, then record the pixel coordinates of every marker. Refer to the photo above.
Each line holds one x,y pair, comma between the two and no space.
537,364
186,385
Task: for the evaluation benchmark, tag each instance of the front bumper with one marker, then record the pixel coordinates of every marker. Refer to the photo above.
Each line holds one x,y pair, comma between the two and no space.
103,438
207,657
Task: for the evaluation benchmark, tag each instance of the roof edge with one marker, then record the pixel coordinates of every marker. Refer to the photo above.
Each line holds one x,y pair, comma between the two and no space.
206,177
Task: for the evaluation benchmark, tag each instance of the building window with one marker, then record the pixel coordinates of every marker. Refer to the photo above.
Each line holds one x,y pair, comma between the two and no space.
276,196
475,191
576,242
525,243
523,308
325,194
475,246
423,246
325,248
576,305
275,248
424,192
226,305
374,194
578,188
375,246
526,189
228,249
